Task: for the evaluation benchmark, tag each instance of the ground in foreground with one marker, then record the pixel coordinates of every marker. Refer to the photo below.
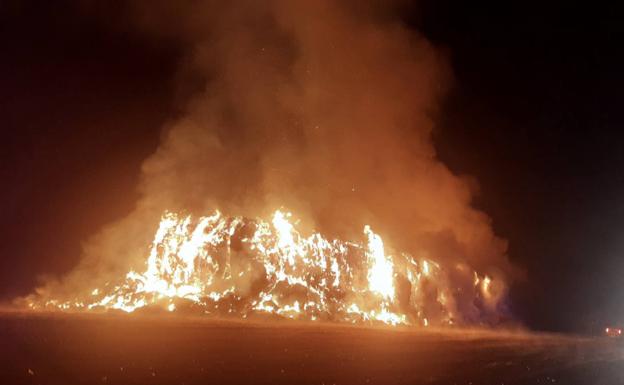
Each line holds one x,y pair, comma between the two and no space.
137,350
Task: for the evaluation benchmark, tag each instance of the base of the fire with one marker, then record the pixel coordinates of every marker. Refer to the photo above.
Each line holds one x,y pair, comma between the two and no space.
245,268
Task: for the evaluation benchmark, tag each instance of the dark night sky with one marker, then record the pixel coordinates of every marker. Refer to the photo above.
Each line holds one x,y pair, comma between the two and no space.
534,115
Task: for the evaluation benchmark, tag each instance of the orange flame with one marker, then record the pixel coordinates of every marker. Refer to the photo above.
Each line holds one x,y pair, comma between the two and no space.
230,265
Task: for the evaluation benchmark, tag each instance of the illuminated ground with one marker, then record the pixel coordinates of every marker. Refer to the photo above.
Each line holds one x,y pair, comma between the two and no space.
137,350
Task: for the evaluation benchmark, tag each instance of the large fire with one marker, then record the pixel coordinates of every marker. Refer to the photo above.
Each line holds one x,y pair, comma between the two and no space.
232,266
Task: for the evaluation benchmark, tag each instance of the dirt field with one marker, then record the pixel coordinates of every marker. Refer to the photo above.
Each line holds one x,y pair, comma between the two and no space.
80,349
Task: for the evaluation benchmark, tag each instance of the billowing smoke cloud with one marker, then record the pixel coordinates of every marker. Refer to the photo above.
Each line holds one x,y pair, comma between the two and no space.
321,107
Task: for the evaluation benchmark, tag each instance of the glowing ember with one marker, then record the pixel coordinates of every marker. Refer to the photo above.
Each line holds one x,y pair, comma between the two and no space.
235,266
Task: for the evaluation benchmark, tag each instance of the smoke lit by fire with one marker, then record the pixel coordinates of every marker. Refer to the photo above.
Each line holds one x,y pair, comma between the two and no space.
325,108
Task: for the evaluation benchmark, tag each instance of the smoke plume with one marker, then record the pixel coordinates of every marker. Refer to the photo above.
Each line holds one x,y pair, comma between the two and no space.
323,108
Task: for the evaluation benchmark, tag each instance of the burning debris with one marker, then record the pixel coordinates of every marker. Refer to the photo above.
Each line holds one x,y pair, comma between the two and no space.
232,266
